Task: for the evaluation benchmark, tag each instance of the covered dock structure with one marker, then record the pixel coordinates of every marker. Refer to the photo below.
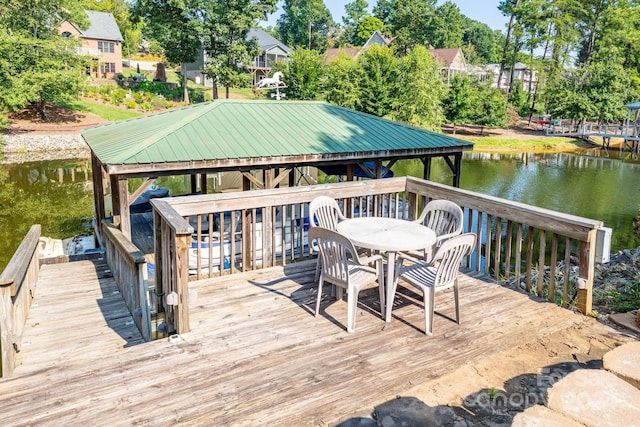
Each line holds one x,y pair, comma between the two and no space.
272,137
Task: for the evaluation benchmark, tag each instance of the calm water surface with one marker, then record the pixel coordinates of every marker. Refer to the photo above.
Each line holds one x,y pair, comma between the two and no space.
593,184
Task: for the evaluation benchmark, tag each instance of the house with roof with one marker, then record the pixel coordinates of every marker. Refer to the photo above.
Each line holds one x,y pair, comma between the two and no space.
451,60
352,52
271,51
522,75
102,41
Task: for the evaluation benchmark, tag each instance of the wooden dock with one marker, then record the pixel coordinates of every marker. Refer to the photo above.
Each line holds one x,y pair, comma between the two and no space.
255,355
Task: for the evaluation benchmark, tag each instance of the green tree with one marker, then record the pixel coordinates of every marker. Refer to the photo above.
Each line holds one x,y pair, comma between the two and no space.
460,102
366,27
483,39
378,77
355,12
446,26
518,99
37,65
177,26
491,109
41,18
341,86
410,21
420,90
306,23
596,91
303,74
227,24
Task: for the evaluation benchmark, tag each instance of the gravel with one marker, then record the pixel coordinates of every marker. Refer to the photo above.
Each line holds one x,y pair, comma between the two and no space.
20,148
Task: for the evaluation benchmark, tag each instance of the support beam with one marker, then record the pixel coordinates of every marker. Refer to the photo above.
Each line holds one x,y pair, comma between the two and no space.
144,187
194,183
251,178
203,183
115,199
98,190
123,195
426,173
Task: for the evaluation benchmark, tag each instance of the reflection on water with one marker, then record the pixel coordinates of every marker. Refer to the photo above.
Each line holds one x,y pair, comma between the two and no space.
600,188
56,194
597,184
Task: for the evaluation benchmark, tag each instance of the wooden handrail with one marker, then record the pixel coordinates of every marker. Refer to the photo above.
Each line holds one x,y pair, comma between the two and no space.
515,239
129,267
17,287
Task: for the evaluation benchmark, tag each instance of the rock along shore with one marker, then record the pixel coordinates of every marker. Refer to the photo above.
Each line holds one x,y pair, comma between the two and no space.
20,148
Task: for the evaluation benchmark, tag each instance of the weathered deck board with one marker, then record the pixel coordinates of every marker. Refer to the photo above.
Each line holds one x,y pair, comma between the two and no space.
256,354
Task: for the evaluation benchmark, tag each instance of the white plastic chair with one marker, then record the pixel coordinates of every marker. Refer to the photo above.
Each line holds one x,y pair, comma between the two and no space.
324,212
441,273
445,218
344,268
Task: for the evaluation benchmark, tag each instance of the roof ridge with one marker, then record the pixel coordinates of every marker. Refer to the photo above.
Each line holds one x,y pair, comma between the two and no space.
149,141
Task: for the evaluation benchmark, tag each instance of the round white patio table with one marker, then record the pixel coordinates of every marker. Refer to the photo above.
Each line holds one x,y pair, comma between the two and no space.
388,235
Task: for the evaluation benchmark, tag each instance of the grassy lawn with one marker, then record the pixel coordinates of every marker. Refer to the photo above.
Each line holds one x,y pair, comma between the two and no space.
532,144
105,111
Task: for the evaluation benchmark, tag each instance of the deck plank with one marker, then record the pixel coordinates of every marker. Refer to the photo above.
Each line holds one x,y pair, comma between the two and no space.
256,354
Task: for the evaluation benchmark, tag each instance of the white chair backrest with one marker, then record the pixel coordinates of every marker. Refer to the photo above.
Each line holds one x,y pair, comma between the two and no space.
324,211
335,251
449,257
443,217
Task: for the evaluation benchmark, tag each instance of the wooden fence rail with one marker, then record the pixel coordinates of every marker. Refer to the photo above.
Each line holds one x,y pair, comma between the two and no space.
129,268
17,288
215,234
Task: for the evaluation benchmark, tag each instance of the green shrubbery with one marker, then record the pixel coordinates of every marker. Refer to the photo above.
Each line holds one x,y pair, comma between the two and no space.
146,96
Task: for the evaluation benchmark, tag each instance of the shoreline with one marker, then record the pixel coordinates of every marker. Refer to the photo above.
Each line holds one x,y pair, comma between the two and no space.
33,147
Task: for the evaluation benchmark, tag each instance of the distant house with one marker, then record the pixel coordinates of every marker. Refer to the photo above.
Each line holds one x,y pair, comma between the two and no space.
522,75
271,50
352,52
451,61
102,41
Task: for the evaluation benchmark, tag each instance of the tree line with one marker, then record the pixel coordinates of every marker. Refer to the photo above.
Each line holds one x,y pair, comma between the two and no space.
585,53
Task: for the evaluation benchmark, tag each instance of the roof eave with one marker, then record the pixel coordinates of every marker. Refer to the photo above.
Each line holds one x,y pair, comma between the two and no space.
168,168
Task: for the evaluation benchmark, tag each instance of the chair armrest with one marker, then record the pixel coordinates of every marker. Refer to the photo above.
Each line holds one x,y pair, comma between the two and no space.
402,256
369,259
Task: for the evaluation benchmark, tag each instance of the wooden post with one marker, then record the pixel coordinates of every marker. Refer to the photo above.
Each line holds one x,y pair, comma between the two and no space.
457,170
194,183
350,172
267,223
586,267
98,190
115,199
203,183
426,173
182,281
123,198
6,328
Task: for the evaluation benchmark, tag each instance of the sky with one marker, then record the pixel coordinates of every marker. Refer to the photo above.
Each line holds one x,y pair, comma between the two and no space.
485,11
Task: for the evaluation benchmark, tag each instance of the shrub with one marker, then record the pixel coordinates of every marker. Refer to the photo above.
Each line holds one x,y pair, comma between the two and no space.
146,106
118,96
131,104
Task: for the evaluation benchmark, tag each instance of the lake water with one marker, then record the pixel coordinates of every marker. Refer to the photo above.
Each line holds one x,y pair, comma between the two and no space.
594,184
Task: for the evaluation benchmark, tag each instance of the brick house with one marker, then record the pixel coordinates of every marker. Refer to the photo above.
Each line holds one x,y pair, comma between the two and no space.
102,41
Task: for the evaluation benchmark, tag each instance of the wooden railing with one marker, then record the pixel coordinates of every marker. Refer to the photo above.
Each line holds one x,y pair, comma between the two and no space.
129,268
202,236
17,288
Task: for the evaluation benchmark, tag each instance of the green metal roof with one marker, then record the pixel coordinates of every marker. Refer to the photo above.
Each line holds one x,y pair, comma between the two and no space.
261,131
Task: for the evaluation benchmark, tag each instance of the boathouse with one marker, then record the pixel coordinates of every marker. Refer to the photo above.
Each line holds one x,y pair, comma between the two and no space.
269,136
